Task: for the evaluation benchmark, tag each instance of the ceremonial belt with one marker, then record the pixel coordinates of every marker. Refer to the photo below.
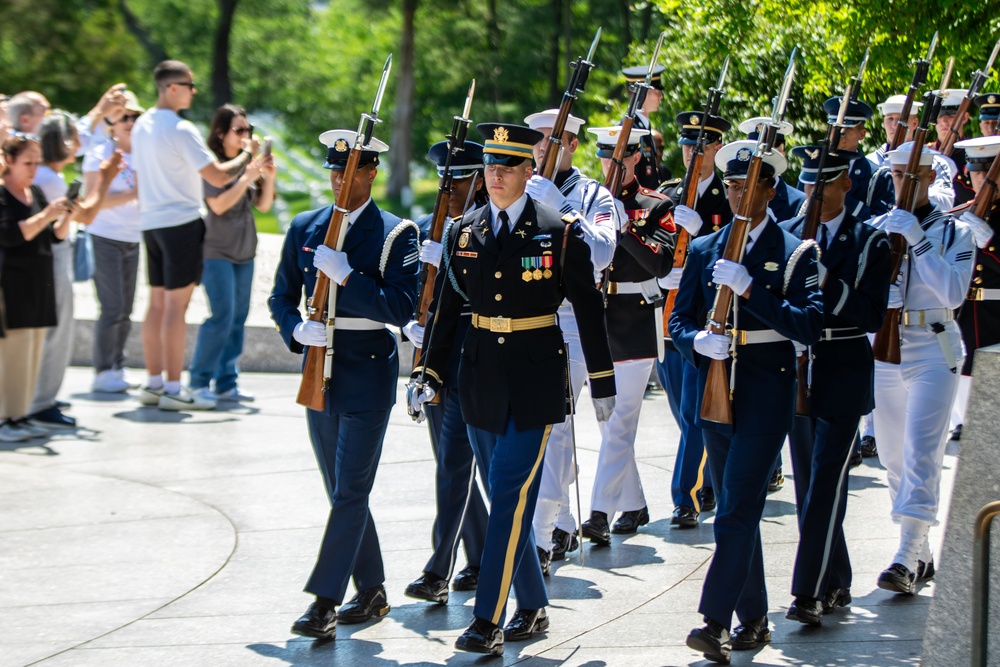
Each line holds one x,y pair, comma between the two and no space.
844,333
743,337
357,324
632,288
509,324
984,294
920,318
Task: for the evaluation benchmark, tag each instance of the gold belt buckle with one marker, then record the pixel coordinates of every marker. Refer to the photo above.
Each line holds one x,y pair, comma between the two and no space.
976,294
740,336
612,287
500,325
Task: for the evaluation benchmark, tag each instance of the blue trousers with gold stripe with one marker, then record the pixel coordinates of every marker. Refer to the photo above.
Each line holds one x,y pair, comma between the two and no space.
691,474
511,465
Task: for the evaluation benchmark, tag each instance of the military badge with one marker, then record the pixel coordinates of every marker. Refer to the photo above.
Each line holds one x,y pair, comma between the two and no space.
695,120
463,240
812,154
547,264
770,266
501,135
340,146
612,133
744,154
991,99
715,191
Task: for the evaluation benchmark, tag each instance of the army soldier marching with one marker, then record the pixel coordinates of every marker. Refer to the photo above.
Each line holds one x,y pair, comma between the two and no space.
650,170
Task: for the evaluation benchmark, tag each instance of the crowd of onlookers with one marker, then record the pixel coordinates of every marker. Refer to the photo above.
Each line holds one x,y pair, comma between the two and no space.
147,178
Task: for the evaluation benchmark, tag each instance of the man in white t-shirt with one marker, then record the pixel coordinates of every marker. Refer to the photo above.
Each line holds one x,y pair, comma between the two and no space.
170,160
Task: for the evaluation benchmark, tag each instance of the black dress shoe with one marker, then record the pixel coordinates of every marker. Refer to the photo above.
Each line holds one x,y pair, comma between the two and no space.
525,623
481,637
712,641
707,499
856,459
776,482
369,603
629,522
749,636
466,580
926,570
956,433
319,622
868,447
596,528
684,517
429,587
898,579
836,597
545,560
563,542
805,610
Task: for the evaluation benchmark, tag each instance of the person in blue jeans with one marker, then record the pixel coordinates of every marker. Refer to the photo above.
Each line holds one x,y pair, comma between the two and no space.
229,248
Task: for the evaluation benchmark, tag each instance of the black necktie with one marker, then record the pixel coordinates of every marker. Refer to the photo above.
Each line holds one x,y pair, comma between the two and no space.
822,236
504,230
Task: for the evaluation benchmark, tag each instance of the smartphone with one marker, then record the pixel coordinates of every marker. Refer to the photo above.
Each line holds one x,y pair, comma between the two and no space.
74,190
266,150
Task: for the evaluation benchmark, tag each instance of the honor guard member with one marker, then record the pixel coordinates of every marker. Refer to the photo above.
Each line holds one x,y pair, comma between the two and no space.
376,271
989,113
691,484
461,512
776,300
854,270
574,194
915,396
871,190
512,376
634,312
979,316
948,118
787,200
649,171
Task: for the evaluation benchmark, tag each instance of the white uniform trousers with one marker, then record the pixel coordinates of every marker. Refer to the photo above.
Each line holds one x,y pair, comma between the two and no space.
617,486
911,420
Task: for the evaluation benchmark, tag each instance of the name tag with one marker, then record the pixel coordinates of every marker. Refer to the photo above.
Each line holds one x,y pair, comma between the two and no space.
464,253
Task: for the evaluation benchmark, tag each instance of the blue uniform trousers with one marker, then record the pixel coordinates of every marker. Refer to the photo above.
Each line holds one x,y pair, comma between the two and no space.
735,579
511,466
821,450
680,379
461,512
348,447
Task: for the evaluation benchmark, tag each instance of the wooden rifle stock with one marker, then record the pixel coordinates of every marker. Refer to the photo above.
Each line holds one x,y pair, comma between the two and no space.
987,193
948,144
690,189
616,172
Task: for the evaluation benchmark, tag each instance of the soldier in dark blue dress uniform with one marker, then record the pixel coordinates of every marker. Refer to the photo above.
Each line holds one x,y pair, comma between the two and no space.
854,274
506,262
691,486
650,170
776,300
377,273
989,113
461,512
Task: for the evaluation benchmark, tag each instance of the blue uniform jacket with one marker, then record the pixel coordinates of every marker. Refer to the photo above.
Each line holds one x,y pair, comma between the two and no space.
787,201
785,299
855,296
872,192
365,363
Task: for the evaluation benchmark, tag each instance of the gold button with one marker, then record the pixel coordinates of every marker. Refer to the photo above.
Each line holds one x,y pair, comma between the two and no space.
709,283
979,281
464,271
782,369
306,269
560,351
767,287
500,340
498,275
373,356
642,302
992,248
498,297
979,267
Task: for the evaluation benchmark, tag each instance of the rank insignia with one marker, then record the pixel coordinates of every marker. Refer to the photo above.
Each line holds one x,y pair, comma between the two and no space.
500,135
463,240
715,191
770,266
340,146
521,233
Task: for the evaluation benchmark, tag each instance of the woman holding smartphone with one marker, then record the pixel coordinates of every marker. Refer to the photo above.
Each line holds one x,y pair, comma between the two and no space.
229,249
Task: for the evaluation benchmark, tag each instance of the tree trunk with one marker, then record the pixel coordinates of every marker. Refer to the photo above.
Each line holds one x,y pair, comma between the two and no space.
401,148
222,90
626,24
493,37
155,51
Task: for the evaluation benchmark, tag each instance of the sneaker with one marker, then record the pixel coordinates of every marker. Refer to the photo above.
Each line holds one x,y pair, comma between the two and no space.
120,374
11,432
149,396
33,430
236,395
53,419
204,393
108,382
184,401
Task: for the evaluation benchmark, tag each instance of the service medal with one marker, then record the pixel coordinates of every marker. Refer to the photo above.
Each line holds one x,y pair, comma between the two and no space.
537,274
547,273
526,276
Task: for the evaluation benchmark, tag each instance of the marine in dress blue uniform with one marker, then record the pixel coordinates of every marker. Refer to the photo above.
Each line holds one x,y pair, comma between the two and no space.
377,271
776,300
461,512
840,378
691,483
512,375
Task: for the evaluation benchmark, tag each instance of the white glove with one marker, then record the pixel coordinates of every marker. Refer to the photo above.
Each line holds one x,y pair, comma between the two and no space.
604,407
903,222
333,263
672,280
895,296
822,273
430,252
713,346
310,333
545,192
688,218
980,228
414,332
800,349
418,396
732,275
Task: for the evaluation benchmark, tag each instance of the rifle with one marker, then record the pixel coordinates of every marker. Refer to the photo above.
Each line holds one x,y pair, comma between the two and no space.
716,404
690,186
885,347
919,79
988,191
574,87
616,173
978,79
319,361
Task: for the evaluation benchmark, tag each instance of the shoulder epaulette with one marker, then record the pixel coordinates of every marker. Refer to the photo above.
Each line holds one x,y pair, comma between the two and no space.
655,194
672,181
569,218
391,237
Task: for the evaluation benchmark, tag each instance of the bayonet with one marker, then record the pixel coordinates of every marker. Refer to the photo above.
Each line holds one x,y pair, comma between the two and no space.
947,76
933,45
468,100
656,56
593,46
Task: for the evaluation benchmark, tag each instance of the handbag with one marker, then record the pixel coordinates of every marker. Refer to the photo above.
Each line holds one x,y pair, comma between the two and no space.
83,256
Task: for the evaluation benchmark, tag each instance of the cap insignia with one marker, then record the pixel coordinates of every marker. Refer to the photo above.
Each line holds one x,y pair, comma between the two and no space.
695,119
340,146
500,135
991,99
612,133
812,154
743,155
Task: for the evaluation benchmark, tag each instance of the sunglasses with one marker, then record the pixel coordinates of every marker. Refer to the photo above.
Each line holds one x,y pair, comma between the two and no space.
189,84
243,131
129,117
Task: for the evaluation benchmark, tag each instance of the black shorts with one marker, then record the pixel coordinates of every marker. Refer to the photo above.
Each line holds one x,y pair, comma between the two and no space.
173,255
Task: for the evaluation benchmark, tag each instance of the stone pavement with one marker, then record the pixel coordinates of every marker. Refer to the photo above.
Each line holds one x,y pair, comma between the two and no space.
153,538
